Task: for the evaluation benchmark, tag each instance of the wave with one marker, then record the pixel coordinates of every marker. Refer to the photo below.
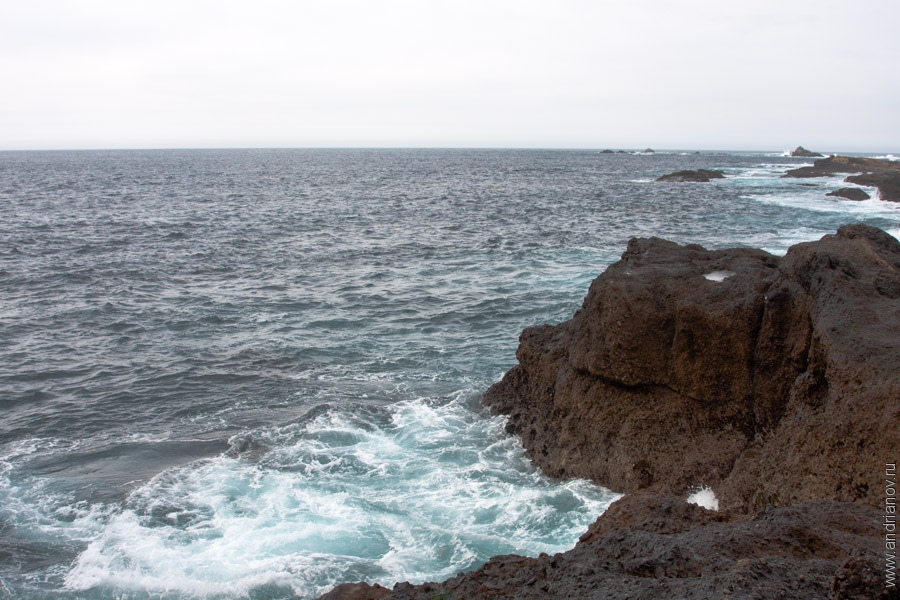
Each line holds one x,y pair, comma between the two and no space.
418,490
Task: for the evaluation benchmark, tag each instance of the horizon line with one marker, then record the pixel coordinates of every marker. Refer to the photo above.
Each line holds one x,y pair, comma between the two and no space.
600,149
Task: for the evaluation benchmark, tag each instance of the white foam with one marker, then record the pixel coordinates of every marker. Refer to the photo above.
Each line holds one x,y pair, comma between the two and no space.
718,275
418,490
705,497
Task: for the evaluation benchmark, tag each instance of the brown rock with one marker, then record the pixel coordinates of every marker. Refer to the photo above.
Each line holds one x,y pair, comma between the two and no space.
773,380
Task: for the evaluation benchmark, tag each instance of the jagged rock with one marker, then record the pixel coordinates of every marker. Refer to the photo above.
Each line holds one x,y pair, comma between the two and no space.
649,151
698,176
772,380
607,151
850,194
655,547
803,152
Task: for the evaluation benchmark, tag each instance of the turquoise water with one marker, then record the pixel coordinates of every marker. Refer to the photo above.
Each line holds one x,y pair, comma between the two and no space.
230,374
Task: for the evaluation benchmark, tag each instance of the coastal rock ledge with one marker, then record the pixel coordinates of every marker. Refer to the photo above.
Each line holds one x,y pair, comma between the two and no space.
772,380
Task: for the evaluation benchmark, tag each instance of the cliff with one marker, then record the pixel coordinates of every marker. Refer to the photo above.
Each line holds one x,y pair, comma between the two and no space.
773,380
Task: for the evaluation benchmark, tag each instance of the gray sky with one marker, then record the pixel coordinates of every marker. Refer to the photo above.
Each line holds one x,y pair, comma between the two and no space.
696,74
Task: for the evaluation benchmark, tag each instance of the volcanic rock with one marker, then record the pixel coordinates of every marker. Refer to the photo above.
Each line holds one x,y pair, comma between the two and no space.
698,176
803,152
772,380
850,194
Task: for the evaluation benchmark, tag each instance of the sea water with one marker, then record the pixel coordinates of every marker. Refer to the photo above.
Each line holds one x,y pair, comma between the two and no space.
256,373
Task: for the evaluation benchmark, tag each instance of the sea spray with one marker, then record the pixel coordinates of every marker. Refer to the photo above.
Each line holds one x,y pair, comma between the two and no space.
418,490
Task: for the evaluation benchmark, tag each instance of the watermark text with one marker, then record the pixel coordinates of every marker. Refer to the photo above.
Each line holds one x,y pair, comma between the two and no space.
890,525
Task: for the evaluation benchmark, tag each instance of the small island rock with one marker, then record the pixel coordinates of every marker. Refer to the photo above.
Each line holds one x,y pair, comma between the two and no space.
698,176
804,153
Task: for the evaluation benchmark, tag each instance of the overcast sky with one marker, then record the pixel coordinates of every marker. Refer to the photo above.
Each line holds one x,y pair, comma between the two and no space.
693,74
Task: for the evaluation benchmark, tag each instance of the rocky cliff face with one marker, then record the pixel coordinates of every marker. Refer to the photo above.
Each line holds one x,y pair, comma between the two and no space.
772,380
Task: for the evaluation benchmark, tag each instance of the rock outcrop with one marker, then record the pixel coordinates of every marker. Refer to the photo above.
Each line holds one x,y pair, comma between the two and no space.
849,194
772,380
874,172
698,176
804,153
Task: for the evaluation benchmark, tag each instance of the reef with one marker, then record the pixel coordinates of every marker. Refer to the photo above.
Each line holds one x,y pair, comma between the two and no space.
771,380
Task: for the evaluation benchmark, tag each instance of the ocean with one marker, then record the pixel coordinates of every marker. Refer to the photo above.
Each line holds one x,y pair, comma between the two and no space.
256,373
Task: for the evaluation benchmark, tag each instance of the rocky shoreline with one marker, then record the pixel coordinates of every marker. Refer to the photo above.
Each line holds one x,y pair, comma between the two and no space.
772,380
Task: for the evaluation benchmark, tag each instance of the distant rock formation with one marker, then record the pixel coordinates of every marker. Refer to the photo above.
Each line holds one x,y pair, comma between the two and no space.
772,380
850,194
698,176
803,152
873,172
649,151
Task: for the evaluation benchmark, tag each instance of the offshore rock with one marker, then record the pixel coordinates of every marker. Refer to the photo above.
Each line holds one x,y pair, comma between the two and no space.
772,380
888,183
850,194
656,547
874,172
804,153
698,176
